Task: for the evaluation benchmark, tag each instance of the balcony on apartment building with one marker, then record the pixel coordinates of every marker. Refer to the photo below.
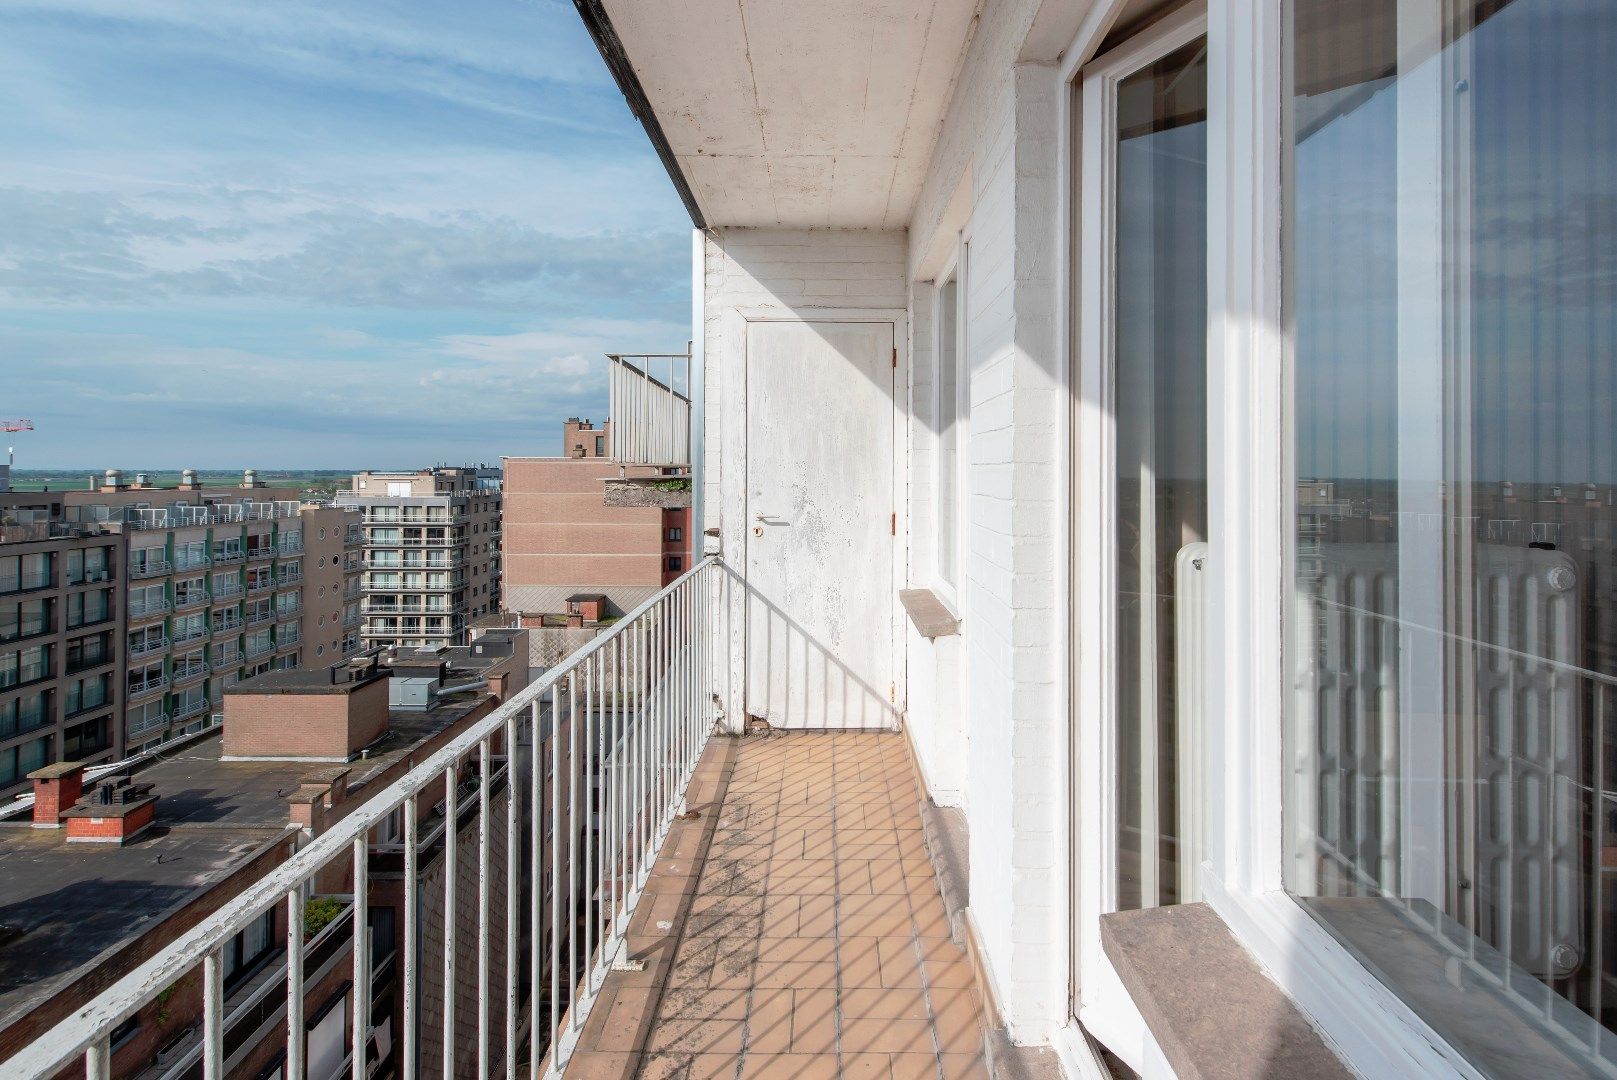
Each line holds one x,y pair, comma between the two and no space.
148,568
683,898
257,552
230,554
188,671
148,607
147,646
143,686
446,560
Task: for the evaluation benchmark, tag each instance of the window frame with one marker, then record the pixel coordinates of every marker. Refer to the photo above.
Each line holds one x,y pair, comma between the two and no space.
1249,523
954,270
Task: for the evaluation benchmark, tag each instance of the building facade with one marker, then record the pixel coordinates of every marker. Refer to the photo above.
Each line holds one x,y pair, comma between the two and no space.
565,534
61,645
431,550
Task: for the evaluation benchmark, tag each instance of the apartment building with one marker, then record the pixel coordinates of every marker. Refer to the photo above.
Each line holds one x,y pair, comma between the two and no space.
589,523
61,647
431,551
222,583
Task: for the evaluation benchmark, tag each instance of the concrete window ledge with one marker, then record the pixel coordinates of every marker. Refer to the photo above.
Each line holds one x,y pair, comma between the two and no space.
931,618
1213,1012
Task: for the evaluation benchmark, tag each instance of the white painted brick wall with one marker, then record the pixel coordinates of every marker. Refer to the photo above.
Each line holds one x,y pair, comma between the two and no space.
998,129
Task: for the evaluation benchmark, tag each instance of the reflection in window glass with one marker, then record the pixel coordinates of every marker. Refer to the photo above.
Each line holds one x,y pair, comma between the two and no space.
1452,803
1160,392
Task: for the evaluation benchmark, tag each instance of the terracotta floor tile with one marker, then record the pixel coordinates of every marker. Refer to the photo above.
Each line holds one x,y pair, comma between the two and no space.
814,1022
689,1066
913,1066
769,1022
886,1036
600,1065
695,1035
867,1002
789,1067
796,973
963,1067
866,1066
860,960
900,962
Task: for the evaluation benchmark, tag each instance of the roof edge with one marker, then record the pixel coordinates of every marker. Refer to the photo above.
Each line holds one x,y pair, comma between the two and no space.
599,24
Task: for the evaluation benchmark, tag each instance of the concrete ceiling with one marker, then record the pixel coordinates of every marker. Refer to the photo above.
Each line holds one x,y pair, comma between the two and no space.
785,112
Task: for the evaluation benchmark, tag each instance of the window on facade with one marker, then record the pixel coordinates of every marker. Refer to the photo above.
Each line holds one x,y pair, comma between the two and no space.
25,713
243,951
24,619
675,564
86,608
22,572
948,331
1452,763
18,761
675,535
25,666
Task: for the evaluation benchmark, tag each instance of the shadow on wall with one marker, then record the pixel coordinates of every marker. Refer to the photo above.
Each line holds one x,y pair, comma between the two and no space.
792,681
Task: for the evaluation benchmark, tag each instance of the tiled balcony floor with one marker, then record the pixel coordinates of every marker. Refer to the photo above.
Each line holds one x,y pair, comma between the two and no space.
792,929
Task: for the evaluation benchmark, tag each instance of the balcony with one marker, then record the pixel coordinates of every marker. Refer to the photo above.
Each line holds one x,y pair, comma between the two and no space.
227,663
229,555
148,647
190,563
190,600
140,725
145,609
284,613
259,618
255,649
774,894
189,672
185,637
222,627
258,585
184,710
290,546
150,568
226,592
257,554
651,416
149,685
288,645
286,580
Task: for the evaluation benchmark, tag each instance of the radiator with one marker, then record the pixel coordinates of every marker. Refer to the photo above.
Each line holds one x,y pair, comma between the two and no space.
1512,770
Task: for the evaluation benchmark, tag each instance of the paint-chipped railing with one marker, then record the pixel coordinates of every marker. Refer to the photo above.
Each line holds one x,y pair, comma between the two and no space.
559,855
648,398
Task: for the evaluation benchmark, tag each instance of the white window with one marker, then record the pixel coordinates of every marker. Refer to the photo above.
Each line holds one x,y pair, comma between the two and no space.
1453,297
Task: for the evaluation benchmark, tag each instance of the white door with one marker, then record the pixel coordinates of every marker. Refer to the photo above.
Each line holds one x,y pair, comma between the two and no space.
819,532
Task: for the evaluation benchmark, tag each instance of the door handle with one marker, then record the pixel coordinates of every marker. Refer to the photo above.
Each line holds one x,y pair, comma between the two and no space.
769,519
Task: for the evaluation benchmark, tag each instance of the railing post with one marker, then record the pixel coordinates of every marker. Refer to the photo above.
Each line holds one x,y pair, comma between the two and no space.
451,914
412,932
483,886
294,984
362,954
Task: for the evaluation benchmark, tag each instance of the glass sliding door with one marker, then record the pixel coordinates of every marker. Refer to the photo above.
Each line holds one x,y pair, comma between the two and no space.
1145,163
1452,291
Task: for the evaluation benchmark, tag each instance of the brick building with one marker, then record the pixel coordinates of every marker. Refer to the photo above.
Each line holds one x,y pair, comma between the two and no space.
570,529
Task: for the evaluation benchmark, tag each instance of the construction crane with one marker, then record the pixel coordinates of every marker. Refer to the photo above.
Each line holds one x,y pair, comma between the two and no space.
9,426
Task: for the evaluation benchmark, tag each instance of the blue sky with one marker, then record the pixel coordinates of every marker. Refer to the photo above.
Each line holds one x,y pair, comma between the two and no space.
336,234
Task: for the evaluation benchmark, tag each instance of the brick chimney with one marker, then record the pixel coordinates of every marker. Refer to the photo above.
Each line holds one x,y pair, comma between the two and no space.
56,788
116,822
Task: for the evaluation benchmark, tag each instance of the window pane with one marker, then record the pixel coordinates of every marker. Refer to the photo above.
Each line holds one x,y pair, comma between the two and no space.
1160,398
1453,271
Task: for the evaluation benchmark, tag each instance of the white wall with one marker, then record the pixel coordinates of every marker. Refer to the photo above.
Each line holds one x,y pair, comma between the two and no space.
809,272
997,143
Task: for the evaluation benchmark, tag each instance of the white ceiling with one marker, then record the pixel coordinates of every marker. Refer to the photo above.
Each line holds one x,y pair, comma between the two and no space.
798,112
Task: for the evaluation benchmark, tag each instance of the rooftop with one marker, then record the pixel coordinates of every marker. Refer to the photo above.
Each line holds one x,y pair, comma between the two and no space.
65,907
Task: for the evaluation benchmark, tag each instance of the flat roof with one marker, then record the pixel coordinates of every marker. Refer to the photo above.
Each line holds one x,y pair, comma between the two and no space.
64,906
302,681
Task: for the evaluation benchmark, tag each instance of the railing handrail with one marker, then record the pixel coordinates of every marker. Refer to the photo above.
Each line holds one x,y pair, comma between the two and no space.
84,1028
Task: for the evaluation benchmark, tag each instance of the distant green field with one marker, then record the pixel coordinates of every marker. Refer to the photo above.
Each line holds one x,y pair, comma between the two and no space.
318,482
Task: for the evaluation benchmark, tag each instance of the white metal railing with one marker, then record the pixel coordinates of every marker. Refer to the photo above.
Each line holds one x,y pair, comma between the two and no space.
651,415
147,647
594,759
147,685
139,609
150,568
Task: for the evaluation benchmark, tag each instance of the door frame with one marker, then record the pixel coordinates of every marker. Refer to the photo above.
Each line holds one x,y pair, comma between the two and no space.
733,406
1089,98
